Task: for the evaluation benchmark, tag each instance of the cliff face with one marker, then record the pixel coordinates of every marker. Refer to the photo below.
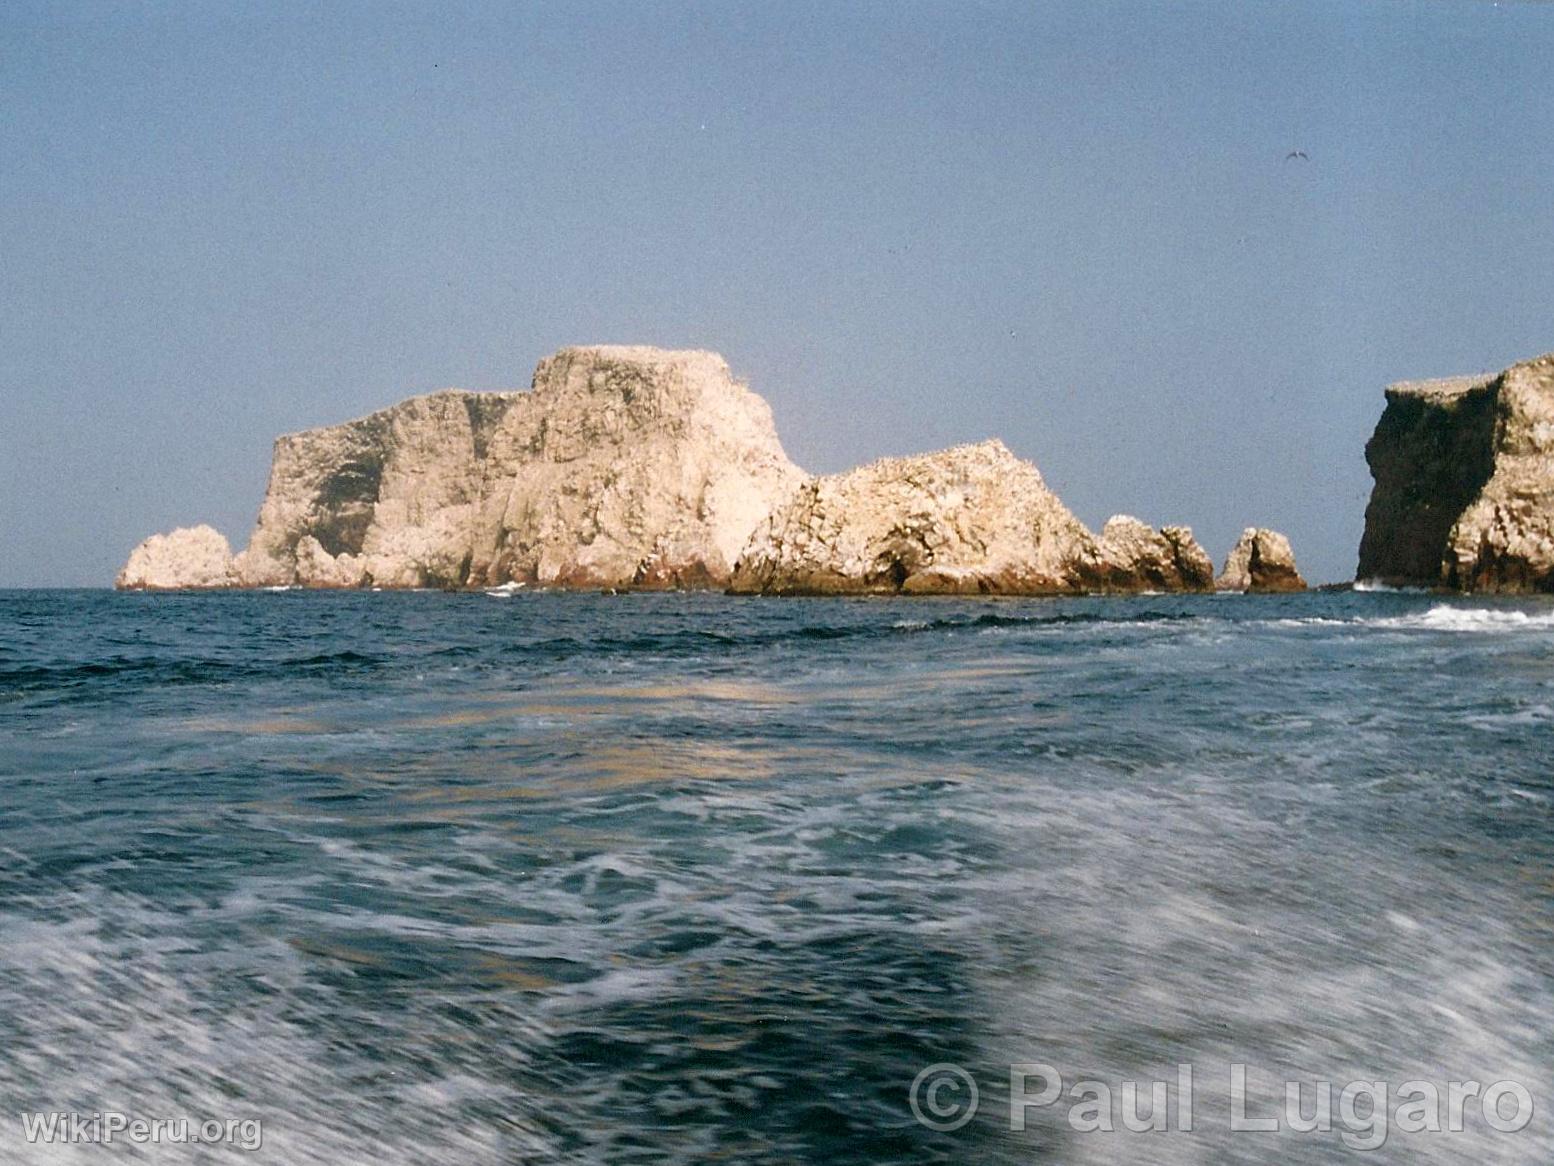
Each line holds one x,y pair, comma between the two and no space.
630,466
390,499
1431,454
622,467
1464,493
973,519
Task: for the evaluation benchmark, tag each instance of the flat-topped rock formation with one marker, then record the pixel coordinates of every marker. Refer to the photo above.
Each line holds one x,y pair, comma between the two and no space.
1261,561
1464,483
621,467
973,519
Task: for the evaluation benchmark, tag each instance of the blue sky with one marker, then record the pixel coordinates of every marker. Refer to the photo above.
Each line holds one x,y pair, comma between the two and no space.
1072,226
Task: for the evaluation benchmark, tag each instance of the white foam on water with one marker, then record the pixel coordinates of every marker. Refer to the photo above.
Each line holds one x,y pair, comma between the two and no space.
624,986
1445,617
505,590
1497,722
131,1018
1244,977
1376,586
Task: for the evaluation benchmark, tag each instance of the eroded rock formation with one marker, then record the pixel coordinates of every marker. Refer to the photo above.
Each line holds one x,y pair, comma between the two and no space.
189,557
973,519
1464,483
1262,560
1132,556
622,467
634,467
970,519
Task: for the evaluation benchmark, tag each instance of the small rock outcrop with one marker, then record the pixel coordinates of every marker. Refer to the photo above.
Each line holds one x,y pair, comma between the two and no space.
621,467
1132,556
192,557
1261,561
1464,483
969,520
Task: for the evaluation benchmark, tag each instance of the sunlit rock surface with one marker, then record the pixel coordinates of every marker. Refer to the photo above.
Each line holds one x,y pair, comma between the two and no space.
189,557
1464,483
621,467
1261,560
1132,556
973,519
635,467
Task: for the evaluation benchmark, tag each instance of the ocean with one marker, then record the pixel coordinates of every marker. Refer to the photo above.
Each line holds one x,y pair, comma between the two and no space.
471,878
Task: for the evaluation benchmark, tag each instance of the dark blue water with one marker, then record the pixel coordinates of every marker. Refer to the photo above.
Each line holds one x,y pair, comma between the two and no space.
428,878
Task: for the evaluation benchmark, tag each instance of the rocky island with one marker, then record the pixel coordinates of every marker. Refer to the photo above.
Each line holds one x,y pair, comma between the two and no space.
1464,483
637,467
1261,561
621,467
974,519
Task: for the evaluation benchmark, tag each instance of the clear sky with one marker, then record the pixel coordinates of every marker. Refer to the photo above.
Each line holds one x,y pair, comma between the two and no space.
1072,226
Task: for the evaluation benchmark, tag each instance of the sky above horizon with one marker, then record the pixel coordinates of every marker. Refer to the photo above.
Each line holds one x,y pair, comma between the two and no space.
1071,226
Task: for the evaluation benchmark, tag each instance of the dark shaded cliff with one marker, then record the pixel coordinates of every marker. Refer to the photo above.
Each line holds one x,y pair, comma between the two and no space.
1464,483
1432,452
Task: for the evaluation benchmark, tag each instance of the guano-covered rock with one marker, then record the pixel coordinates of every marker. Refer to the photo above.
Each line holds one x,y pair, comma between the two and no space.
973,519
193,558
621,467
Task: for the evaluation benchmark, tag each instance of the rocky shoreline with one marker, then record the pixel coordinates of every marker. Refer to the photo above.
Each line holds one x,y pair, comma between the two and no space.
641,468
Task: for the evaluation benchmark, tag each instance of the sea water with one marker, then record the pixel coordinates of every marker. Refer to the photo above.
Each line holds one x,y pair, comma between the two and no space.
528,877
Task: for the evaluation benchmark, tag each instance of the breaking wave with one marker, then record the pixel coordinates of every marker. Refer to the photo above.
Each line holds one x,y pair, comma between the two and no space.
1452,618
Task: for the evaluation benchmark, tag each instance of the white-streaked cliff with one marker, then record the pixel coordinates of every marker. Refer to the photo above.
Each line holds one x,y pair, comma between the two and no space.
621,467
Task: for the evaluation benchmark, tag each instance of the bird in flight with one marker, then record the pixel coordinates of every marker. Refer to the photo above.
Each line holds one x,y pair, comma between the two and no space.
1293,154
